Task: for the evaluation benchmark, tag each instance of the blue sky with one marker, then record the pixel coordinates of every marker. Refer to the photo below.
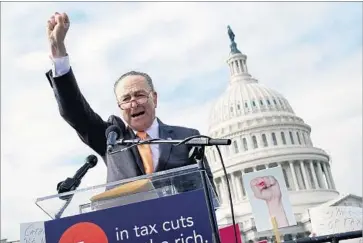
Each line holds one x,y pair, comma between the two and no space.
309,52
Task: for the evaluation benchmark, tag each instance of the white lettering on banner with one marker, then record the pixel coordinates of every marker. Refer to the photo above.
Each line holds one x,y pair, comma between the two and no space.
122,234
142,232
196,238
333,220
145,230
178,224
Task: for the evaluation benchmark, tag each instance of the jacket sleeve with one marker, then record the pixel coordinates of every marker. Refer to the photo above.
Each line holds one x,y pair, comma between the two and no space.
76,111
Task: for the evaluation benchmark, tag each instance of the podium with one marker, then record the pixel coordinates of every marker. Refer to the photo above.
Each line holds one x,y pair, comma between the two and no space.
174,206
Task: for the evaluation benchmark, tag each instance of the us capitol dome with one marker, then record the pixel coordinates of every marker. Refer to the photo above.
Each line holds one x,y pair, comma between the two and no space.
265,133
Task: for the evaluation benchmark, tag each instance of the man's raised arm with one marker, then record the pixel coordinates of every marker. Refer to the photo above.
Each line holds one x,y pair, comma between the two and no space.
73,107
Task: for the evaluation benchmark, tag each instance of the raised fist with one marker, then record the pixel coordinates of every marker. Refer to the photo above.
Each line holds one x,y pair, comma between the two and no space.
57,28
266,188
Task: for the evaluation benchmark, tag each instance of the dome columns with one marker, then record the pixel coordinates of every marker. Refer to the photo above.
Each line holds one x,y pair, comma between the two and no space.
304,175
237,65
330,176
299,175
238,185
313,172
293,172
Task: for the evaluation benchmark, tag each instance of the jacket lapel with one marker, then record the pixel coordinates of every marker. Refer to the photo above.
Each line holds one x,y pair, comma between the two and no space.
165,132
129,134
135,151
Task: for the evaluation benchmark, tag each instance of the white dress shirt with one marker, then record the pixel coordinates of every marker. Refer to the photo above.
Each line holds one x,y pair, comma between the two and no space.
62,66
153,132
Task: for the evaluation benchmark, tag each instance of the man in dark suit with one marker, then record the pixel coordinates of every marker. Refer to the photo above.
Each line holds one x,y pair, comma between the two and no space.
137,100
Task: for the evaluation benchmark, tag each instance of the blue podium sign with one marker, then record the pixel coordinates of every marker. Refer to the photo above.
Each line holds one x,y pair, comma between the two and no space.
181,218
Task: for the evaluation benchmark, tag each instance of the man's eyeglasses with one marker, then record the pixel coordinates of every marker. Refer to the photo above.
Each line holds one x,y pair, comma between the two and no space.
139,99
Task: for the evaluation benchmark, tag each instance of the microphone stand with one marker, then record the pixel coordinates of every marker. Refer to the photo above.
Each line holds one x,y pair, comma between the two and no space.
70,184
199,142
66,204
198,156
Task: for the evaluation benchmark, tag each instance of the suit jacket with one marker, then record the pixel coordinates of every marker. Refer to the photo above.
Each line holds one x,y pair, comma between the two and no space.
91,128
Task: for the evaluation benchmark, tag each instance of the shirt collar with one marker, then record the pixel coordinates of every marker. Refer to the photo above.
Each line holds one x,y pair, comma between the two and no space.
153,130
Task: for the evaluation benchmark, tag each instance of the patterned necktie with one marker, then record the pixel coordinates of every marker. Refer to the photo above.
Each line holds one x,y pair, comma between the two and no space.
145,153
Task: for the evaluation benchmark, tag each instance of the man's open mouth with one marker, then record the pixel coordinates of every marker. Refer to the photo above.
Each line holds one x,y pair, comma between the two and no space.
138,114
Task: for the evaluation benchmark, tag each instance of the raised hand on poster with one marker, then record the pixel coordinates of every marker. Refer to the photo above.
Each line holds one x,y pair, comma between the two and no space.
267,188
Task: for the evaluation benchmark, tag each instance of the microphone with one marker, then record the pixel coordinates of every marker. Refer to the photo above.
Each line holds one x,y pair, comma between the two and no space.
71,184
196,153
112,134
91,161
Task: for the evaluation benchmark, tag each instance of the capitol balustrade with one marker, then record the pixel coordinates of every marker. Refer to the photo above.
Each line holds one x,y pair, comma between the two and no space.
250,123
267,155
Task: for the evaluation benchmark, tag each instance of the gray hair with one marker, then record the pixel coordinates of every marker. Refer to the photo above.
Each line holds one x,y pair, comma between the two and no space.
130,73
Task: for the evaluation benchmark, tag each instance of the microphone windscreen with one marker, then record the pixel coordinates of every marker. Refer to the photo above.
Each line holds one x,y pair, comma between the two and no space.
115,120
113,128
92,160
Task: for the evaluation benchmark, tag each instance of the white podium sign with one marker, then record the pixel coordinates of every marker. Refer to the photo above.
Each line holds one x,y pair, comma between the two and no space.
32,232
333,220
